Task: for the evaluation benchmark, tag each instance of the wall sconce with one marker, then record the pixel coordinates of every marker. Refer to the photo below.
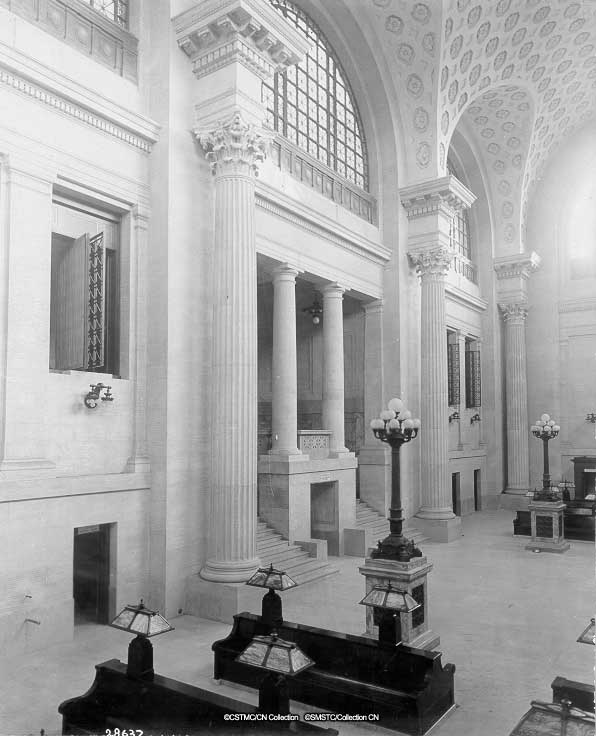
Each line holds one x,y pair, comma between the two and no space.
453,417
591,417
475,418
315,310
93,396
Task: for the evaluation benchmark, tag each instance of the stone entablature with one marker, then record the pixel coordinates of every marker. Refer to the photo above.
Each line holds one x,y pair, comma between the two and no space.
513,273
216,33
85,30
429,197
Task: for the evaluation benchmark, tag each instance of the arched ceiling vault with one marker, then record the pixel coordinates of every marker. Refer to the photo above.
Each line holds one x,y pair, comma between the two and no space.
522,74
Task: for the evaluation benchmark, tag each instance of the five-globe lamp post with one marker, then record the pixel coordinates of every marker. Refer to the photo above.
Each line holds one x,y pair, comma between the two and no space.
545,429
395,426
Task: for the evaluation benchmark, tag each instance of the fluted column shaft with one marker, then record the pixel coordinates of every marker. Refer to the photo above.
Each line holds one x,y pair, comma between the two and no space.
234,149
516,397
333,366
139,459
284,405
436,491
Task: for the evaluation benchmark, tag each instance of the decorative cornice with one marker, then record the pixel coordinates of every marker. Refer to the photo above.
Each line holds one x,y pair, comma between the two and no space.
234,146
459,296
577,305
429,197
520,265
514,312
215,33
72,109
432,261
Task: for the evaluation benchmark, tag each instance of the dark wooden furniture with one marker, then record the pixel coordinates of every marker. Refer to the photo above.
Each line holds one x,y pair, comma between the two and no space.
580,694
408,688
162,706
579,517
584,475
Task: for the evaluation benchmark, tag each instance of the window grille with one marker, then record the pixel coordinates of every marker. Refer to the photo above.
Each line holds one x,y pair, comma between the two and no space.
96,306
473,383
115,10
312,104
453,373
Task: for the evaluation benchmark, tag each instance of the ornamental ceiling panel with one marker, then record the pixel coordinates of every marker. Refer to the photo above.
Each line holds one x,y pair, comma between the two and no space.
521,74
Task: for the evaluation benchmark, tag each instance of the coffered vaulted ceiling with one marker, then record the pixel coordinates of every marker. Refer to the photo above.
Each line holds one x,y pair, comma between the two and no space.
518,76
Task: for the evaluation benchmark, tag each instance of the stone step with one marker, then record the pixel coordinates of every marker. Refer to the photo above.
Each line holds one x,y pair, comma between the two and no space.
378,526
272,548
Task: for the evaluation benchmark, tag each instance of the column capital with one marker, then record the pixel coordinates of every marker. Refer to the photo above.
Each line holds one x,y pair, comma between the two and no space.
285,272
432,261
234,146
428,197
514,312
217,33
374,307
333,289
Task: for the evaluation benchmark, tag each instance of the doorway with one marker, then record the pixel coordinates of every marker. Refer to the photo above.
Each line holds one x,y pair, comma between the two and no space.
324,519
477,491
91,574
455,494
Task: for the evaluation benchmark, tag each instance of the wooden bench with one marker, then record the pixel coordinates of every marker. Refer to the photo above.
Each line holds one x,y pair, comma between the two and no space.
408,688
163,706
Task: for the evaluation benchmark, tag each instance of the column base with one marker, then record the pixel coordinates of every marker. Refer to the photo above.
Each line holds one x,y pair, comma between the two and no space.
514,499
440,530
220,601
229,571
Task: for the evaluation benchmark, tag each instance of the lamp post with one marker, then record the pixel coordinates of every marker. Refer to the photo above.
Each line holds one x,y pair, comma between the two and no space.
545,429
395,426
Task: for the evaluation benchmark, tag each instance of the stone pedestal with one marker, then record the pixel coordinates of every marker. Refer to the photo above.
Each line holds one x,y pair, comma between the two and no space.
548,531
410,577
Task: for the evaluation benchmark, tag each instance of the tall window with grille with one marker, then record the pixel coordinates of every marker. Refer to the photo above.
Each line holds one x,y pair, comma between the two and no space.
473,378
84,290
312,104
459,236
452,369
115,10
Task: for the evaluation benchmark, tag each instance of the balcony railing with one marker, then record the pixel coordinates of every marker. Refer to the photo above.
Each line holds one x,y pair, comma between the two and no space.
466,268
330,184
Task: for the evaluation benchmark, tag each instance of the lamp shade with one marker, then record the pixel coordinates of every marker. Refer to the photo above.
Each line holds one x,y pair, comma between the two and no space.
268,577
389,598
275,655
141,620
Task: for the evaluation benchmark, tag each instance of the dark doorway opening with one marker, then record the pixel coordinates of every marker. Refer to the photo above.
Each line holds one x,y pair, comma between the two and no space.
477,491
91,574
455,494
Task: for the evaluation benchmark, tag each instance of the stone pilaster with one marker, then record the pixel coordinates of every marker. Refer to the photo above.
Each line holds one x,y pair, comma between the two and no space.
432,265
139,459
516,397
284,405
234,150
333,366
430,206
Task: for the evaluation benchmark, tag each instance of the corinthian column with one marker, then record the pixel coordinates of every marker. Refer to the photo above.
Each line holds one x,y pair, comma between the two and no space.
234,149
432,266
284,404
333,366
430,206
516,397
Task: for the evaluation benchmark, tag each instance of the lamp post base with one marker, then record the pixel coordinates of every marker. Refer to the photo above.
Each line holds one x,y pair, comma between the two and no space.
396,547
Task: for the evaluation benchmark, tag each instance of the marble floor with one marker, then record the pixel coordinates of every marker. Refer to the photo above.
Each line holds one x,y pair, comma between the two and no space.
508,619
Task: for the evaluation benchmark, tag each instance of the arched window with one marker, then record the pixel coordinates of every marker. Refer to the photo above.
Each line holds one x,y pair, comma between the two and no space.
460,226
312,104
